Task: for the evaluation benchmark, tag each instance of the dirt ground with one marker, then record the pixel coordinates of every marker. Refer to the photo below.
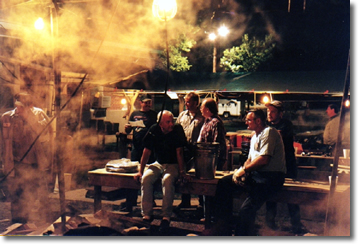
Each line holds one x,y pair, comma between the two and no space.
185,222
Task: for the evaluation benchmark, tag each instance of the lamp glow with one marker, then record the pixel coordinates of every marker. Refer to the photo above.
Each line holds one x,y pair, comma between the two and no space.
265,99
347,103
164,10
212,36
223,31
123,101
39,24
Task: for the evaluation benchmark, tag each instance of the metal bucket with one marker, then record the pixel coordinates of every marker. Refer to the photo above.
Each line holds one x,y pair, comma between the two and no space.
206,157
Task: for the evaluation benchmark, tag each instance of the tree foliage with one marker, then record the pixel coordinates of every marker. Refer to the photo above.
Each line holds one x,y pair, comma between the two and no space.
249,55
177,50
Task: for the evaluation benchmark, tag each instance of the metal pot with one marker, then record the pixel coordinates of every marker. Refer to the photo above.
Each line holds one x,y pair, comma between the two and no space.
206,158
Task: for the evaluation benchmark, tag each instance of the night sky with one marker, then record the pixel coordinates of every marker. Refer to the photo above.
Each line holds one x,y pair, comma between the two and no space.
317,38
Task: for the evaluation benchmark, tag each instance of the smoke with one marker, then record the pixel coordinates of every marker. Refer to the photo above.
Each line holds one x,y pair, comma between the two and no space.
125,33
113,39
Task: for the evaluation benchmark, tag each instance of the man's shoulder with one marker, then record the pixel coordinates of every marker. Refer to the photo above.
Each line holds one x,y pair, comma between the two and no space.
142,113
151,111
333,121
178,127
134,113
183,113
8,114
286,121
283,123
269,130
37,111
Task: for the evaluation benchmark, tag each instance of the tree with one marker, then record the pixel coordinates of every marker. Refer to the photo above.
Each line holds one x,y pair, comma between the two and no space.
177,49
249,55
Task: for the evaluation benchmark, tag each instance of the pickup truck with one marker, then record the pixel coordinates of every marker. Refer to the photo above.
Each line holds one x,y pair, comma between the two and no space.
229,108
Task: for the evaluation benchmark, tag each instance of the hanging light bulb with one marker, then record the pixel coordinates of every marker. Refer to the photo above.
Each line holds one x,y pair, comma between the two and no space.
223,30
265,99
39,24
212,36
347,103
164,10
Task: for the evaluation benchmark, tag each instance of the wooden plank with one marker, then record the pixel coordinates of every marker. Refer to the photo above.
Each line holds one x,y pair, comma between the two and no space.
293,191
315,157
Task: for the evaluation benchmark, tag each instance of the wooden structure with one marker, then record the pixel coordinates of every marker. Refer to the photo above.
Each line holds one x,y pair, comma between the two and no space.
297,192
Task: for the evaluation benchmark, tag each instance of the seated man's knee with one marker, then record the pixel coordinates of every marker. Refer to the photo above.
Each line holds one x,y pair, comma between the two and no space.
168,180
149,179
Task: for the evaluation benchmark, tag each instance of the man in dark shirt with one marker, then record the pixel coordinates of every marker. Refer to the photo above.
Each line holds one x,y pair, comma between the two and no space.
284,126
166,140
149,118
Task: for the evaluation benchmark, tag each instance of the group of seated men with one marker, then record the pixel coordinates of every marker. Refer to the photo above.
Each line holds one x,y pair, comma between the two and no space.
261,176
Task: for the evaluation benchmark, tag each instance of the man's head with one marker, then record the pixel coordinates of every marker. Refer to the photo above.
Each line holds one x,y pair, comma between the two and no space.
166,122
274,111
332,110
145,102
255,120
192,101
209,108
23,102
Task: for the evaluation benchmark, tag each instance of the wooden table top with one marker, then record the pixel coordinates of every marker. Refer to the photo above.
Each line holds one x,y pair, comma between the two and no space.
307,186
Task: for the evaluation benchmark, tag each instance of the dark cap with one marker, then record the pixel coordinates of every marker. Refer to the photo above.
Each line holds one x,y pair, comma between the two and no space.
276,104
145,97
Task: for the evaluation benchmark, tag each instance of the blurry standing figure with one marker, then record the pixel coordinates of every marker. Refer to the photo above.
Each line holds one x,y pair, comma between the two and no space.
29,183
191,120
149,118
330,133
213,129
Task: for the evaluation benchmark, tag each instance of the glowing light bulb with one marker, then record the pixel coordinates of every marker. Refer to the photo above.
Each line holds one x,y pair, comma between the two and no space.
223,31
164,9
39,24
212,36
347,103
123,101
265,99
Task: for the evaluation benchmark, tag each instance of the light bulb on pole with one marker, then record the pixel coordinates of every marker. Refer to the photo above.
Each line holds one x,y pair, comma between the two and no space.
39,24
164,10
222,31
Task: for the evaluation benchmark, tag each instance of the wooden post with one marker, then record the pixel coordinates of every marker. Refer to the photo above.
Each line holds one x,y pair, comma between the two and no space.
330,209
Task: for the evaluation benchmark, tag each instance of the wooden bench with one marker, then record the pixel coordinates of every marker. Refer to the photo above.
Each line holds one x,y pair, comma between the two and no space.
296,192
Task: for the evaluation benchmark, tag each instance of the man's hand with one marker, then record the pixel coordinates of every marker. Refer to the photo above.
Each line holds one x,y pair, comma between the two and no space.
185,177
237,175
138,176
127,128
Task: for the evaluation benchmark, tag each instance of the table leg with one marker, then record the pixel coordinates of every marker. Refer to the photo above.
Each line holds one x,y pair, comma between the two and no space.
97,198
208,210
